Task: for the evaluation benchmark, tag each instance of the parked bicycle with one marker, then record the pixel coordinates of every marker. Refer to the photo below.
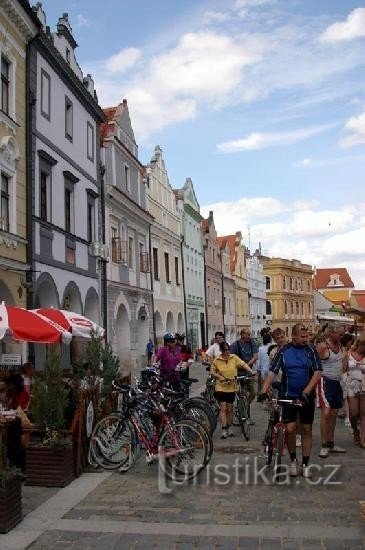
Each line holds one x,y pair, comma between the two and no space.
146,422
241,406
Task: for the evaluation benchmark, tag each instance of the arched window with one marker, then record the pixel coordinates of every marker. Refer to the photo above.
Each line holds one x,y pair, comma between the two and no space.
297,308
268,308
286,307
284,282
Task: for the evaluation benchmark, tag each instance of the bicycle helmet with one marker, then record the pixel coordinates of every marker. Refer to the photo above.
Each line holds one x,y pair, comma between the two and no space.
169,337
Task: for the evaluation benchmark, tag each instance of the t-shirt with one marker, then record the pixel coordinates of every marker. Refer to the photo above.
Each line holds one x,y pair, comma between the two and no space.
244,350
169,358
263,362
297,364
228,368
214,350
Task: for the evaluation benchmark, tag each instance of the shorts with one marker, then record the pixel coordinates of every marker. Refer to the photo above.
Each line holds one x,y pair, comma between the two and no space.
329,394
225,396
354,387
305,413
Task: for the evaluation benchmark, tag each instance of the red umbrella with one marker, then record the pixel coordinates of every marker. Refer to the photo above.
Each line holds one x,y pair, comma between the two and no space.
78,325
28,326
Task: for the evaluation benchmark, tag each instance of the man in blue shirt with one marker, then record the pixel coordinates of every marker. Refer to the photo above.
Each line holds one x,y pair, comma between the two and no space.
301,370
246,349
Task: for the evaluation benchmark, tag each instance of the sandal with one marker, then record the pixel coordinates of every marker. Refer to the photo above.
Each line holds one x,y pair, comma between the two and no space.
357,438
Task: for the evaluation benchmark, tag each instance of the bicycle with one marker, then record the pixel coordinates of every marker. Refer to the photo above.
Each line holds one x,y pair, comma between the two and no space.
183,447
275,435
241,406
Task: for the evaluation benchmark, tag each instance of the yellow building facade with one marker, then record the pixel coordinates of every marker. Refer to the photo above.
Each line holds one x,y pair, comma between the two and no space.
289,293
16,29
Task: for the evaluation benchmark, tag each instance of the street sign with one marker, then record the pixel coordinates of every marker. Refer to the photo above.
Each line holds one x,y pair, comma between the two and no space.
10,359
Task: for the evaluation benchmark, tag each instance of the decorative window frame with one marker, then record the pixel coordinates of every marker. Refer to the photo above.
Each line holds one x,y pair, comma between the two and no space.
90,147
45,114
69,103
5,52
9,157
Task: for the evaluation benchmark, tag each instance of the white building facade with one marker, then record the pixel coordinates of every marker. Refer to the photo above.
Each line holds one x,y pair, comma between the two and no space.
257,294
193,264
167,276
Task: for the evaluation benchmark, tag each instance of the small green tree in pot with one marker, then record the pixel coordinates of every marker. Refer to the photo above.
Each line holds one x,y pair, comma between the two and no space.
50,461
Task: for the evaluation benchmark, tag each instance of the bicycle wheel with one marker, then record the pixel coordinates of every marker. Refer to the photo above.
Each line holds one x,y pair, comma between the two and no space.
236,414
184,452
202,410
112,444
244,416
205,433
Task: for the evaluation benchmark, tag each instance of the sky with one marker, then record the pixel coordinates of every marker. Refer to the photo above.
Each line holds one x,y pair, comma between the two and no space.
260,102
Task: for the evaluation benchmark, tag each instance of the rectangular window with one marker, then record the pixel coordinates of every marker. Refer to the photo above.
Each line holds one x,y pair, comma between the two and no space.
155,264
130,253
45,197
90,220
90,142
167,267
68,56
127,178
5,84
69,210
115,245
4,213
177,270
68,118
45,94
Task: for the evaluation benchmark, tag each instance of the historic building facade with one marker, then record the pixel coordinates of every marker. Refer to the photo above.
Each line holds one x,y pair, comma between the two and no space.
289,293
17,27
168,287
193,264
127,221
213,278
64,175
335,284
229,292
257,294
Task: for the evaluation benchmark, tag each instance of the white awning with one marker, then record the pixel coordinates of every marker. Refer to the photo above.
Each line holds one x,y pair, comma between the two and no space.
336,319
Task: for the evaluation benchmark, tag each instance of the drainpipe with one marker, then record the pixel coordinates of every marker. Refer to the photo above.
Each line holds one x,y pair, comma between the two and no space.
183,286
102,261
151,277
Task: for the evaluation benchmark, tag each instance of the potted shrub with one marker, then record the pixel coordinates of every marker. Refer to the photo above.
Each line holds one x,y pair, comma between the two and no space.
50,461
10,494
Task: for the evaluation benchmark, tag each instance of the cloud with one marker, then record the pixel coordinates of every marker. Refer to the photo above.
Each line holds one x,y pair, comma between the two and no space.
321,237
82,21
212,17
239,4
263,140
353,27
308,163
356,125
123,60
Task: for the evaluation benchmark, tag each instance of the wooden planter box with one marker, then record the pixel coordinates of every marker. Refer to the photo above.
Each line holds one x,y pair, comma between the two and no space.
49,467
10,503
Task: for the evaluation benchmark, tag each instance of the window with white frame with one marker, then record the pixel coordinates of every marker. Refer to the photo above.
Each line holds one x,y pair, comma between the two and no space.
68,118
90,218
45,95
5,203
90,142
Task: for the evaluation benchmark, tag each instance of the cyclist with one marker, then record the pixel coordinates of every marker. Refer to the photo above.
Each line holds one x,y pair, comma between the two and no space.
301,371
224,370
169,357
214,350
246,349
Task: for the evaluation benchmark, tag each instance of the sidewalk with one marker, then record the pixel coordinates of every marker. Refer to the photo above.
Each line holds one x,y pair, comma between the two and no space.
231,505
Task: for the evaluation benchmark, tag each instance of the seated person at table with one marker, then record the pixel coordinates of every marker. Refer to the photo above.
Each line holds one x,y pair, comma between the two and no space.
16,395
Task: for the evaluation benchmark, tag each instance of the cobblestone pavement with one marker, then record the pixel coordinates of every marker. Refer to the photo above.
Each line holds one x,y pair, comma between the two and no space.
232,505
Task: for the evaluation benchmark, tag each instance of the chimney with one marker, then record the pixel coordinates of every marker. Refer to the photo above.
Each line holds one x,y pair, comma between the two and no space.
125,102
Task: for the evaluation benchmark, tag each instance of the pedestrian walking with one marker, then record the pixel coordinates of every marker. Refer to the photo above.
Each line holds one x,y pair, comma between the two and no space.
149,351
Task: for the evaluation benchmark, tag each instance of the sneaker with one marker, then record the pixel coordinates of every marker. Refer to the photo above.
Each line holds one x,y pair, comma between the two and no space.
323,453
336,449
298,442
224,434
347,423
306,472
294,468
230,433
